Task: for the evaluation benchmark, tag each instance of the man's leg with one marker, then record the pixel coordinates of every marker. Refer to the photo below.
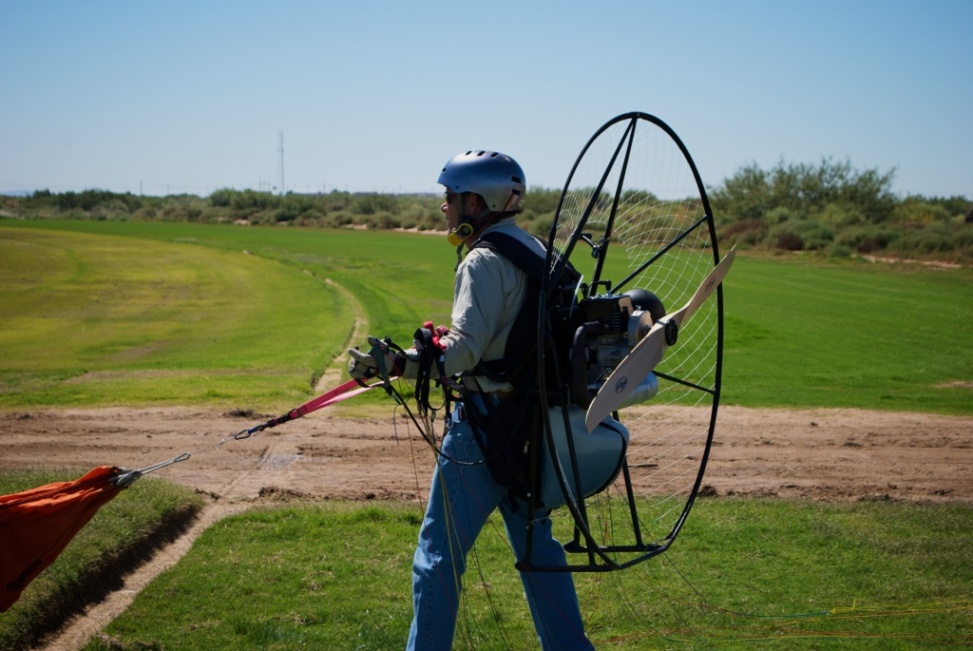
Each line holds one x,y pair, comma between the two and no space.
551,596
460,501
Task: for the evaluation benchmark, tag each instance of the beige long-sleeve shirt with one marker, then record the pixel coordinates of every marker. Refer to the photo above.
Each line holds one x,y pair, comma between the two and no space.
488,293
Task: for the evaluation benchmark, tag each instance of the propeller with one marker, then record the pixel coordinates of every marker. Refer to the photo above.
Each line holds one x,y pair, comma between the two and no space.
649,351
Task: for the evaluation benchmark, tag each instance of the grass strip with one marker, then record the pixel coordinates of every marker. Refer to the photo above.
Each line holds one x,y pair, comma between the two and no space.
745,574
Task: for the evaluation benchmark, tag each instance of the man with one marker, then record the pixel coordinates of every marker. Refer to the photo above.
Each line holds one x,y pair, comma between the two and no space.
484,191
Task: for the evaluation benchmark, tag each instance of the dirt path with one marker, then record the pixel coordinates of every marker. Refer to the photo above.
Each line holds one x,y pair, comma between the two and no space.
816,454
819,454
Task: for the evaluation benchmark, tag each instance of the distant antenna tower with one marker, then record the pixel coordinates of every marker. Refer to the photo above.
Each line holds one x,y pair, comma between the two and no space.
280,151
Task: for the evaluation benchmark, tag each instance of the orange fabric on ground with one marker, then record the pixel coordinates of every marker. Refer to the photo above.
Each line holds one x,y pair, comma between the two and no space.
36,525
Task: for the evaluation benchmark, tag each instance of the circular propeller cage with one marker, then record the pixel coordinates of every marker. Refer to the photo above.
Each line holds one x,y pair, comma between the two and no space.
634,215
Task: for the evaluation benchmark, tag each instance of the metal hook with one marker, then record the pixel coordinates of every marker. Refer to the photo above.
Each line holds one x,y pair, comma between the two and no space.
126,479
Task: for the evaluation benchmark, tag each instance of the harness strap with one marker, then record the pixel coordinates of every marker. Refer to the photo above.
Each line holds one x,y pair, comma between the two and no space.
431,352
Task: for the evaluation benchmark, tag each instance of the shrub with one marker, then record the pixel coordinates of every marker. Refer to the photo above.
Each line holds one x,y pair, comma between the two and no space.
372,204
744,196
541,201
914,210
839,251
866,239
112,210
932,238
840,215
336,201
782,214
541,227
748,232
753,193
338,219
787,240
221,198
801,235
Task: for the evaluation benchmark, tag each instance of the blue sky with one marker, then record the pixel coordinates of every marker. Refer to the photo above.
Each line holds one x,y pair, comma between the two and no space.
191,96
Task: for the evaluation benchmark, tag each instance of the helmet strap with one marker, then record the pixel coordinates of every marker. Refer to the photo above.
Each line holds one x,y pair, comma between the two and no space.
478,222
459,256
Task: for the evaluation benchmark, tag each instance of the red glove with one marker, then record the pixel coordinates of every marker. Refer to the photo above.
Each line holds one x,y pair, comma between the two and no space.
437,333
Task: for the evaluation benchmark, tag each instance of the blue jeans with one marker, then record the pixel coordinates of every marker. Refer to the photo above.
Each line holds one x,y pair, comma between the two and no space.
461,499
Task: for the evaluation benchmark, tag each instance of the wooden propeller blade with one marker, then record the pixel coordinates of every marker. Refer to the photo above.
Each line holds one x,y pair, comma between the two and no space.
649,351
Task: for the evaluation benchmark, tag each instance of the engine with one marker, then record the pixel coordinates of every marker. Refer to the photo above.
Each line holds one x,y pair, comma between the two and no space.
607,329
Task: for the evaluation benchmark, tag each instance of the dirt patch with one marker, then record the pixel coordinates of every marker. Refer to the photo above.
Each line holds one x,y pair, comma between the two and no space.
813,454
316,456
832,454
820,454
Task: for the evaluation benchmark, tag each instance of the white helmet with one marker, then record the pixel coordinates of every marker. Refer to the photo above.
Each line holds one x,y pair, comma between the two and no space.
494,176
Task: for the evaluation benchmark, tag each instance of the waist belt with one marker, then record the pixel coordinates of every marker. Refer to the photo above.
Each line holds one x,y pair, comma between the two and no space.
503,395
461,410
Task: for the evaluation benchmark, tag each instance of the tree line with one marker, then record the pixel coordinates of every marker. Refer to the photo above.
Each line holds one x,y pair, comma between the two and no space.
829,207
834,208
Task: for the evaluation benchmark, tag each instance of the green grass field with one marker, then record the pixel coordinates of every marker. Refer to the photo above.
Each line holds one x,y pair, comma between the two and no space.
135,313
808,334
111,313
747,574
98,320
193,319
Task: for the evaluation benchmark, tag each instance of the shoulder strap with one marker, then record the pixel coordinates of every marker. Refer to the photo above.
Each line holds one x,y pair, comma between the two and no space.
518,352
529,261
518,365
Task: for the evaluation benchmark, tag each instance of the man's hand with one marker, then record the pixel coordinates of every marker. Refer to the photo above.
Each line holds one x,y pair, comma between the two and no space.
364,366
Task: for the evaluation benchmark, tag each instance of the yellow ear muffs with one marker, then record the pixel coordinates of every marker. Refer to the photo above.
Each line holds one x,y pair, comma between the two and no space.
459,234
